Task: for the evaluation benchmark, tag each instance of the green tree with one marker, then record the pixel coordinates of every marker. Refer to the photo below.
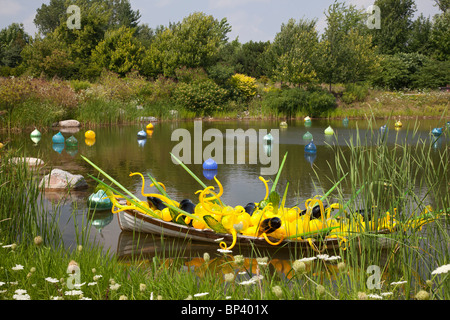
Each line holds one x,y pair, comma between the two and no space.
119,52
440,36
192,43
419,36
12,41
49,16
293,52
396,25
345,51
443,5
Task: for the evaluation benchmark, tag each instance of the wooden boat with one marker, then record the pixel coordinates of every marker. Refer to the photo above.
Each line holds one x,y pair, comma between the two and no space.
135,221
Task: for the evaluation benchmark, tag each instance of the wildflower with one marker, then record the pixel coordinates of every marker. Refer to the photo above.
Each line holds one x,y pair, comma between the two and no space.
80,248
277,291
262,261
73,293
341,266
429,283
206,257
1,283
320,290
123,297
151,296
114,287
189,297
92,283
299,266
85,298
79,285
229,277
22,296
362,296
375,296
307,259
201,294
224,251
442,269
17,267
97,277
20,291
142,287
38,241
32,269
52,280
56,298
422,295
384,294
94,270
398,283
239,260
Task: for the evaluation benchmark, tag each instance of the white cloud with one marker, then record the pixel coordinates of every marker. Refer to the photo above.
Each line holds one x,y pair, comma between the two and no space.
9,7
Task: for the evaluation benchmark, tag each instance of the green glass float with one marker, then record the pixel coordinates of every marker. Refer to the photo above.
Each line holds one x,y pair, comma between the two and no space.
329,131
72,141
99,201
307,136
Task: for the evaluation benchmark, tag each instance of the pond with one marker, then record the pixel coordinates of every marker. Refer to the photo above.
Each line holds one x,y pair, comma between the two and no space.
118,151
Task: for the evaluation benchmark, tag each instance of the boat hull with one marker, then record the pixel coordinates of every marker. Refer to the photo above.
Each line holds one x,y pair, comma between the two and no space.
134,221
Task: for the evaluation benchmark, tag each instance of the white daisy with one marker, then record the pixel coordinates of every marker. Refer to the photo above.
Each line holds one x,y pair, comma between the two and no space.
52,280
73,293
201,294
17,267
398,283
375,296
20,291
442,269
307,259
224,251
21,297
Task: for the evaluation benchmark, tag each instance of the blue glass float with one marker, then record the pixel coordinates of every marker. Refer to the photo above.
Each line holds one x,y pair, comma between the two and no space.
310,148
209,174
142,134
142,142
268,138
58,138
310,157
210,164
436,132
345,122
58,147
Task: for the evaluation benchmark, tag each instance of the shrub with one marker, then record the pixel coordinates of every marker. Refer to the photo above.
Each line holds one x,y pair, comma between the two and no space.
202,97
245,86
189,75
354,92
79,85
291,101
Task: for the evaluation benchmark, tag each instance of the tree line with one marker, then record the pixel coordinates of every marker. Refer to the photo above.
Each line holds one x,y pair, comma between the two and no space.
404,53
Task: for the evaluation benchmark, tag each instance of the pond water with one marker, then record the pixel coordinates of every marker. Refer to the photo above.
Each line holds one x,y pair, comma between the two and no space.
118,152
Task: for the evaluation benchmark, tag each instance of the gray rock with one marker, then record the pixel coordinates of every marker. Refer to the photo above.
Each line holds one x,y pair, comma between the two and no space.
59,179
69,123
31,162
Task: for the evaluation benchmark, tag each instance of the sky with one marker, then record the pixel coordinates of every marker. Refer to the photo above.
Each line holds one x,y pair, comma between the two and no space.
256,20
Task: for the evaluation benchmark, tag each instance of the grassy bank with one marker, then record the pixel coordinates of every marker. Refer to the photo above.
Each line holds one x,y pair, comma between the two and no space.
27,103
35,265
